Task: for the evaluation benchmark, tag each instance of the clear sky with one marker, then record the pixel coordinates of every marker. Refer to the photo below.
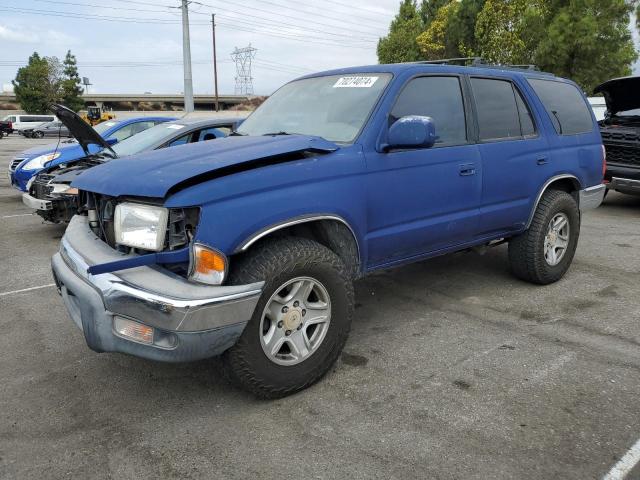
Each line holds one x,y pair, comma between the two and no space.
134,56
135,46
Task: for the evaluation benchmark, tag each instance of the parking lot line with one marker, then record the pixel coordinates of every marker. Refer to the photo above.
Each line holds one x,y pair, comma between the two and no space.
625,464
18,215
27,289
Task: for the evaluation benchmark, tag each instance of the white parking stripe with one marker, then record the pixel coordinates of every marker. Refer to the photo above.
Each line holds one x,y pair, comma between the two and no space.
27,289
19,215
625,464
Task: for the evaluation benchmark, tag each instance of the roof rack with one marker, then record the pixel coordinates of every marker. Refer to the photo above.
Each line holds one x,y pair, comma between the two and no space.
477,62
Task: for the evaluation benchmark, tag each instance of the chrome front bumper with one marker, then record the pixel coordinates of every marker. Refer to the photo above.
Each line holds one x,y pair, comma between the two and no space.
190,321
591,197
36,203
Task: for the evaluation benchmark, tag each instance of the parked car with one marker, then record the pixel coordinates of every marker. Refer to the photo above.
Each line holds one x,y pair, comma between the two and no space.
20,121
599,107
621,133
50,192
49,129
248,246
6,127
28,163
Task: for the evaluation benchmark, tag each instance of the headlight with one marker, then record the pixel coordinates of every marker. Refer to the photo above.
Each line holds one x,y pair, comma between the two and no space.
207,265
63,189
140,226
39,162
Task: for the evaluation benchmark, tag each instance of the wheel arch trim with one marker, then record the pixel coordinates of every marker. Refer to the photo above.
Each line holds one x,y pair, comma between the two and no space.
544,188
244,245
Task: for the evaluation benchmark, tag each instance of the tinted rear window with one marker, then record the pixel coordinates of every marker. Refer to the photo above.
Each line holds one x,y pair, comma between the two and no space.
497,110
565,105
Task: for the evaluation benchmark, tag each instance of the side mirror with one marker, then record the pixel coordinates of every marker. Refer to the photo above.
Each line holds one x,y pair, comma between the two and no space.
112,141
412,131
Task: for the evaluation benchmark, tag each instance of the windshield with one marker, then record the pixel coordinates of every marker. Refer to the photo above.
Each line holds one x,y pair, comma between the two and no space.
334,107
104,126
146,139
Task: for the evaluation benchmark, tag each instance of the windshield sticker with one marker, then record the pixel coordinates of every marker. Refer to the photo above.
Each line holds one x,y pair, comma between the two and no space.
355,82
110,124
175,127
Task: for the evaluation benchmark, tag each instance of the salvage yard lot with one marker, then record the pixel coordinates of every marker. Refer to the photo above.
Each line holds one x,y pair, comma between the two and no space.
454,369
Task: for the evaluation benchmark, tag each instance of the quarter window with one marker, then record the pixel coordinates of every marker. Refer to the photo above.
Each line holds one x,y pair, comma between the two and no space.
565,105
439,98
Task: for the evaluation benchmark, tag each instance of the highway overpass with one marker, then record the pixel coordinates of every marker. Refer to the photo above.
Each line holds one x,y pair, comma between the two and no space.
149,101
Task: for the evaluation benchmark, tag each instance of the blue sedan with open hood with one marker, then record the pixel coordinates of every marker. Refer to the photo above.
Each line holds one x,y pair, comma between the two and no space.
28,163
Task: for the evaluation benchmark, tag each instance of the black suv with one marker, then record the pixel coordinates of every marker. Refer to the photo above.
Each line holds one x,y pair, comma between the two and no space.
621,133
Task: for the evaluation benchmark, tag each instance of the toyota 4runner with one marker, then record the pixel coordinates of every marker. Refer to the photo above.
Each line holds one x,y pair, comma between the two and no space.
247,247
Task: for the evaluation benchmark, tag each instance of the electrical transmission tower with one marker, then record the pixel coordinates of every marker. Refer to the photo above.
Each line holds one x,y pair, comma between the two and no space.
244,80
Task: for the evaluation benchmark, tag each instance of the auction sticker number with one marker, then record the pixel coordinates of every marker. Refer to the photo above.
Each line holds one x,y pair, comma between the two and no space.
355,82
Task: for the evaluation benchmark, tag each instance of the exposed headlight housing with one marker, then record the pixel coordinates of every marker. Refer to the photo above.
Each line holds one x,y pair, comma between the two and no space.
207,265
140,226
40,161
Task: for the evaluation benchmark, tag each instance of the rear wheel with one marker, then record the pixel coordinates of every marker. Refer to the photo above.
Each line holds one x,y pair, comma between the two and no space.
301,322
544,252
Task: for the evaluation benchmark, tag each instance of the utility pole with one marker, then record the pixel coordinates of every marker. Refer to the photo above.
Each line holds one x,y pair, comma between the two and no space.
215,62
186,59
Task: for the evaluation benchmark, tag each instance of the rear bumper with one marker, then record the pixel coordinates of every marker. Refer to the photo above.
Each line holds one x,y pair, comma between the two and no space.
190,321
591,197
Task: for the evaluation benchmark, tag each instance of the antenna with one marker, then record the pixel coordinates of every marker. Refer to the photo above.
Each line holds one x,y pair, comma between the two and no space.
244,80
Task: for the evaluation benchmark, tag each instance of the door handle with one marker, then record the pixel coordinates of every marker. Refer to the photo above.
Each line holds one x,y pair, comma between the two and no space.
542,160
467,169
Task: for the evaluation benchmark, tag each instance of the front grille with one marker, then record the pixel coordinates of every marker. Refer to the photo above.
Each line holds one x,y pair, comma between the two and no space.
623,155
41,188
15,162
621,135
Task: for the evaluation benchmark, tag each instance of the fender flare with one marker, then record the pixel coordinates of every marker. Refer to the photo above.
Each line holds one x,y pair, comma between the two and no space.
245,244
544,189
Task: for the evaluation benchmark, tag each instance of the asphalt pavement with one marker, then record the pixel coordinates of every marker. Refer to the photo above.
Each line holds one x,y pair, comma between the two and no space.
454,369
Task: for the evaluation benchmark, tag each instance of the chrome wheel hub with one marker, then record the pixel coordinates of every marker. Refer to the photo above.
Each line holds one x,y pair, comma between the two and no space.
556,241
295,321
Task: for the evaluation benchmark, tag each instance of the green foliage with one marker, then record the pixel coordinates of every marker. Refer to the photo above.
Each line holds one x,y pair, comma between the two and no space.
433,41
45,81
429,10
461,30
400,44
35,85
71,84
588,41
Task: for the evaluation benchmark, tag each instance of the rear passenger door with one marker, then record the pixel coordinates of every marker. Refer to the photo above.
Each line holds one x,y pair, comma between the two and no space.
426,199
514,155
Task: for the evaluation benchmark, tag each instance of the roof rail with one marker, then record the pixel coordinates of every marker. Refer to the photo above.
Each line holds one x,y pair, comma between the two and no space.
477,62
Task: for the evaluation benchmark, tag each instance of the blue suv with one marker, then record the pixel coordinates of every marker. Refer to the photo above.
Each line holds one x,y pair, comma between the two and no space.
248,246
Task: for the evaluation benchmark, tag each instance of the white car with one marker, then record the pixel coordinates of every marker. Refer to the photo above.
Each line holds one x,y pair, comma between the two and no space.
599,107
22,122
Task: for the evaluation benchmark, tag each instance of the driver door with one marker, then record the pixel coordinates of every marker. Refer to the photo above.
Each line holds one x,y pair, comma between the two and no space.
425,200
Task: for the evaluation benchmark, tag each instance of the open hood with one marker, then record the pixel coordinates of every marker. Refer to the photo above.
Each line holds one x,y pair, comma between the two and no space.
81,130
156,173
621,94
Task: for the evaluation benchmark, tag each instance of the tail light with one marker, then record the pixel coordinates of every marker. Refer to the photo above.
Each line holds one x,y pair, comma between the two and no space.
604,163
10,125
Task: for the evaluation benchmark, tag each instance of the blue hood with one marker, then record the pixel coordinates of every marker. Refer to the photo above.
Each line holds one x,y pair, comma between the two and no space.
153,174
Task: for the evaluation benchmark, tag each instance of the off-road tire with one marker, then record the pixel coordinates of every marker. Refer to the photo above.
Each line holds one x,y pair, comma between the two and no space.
275,262
526,251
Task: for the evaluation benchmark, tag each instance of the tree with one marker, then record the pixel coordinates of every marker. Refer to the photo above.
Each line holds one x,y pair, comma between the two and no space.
71,89
501,30
36,84
433,41
400,44
461,29
588,41
429,10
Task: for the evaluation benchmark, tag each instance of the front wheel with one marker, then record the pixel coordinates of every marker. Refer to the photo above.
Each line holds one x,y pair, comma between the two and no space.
301,321
544,252
37,134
